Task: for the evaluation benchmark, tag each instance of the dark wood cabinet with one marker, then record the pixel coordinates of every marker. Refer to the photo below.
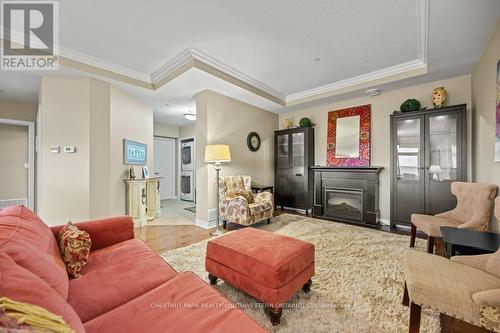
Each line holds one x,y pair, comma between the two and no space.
428,153
293,156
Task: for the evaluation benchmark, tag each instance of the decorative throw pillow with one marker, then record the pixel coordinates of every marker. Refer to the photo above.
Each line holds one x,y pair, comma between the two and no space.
26,317
75,248
242,193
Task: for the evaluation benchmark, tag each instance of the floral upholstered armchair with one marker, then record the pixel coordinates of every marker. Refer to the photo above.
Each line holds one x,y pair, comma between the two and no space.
239,205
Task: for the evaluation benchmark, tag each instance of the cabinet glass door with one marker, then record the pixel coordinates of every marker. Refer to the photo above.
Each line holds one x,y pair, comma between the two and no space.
443,150
298,154
408,149
408,161
443,157
283,154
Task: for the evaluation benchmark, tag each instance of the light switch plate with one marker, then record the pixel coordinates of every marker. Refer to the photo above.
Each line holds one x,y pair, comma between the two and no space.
55,149
70,149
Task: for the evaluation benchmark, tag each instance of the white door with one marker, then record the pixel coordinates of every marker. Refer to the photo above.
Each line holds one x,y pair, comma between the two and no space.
164,166
14,149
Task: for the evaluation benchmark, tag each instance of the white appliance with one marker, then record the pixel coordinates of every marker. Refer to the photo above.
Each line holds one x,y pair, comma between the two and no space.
187,185
187,155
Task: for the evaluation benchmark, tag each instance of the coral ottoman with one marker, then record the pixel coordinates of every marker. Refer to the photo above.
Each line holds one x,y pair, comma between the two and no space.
266,266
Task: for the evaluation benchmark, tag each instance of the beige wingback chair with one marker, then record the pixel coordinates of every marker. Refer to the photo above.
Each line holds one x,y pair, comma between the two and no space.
237,203
465,287
474,201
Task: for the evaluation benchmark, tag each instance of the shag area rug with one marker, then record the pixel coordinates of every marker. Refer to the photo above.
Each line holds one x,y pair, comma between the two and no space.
358,286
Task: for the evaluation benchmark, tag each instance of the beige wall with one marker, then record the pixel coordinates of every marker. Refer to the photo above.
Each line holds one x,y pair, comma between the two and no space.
187,131
13,175
229,121
459,90
132,120
12,109
95,117
65,120
484,95
165,130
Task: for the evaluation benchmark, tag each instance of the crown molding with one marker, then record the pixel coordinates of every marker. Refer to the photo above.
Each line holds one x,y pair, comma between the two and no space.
195,58
364,79
103,64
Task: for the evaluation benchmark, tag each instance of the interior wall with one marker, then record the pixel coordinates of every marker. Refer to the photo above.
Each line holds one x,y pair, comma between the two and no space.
228,122
187,130
65,177
13,175
459,92
484,99
12,109
132,120
94,117
165,130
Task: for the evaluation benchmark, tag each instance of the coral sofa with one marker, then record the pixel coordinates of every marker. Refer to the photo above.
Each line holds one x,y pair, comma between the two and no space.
124,287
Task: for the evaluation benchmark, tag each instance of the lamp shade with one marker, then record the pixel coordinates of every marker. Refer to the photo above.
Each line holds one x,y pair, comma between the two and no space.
435,169
217,154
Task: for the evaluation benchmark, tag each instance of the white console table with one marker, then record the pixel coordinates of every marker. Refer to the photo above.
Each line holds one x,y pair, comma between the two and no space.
143,199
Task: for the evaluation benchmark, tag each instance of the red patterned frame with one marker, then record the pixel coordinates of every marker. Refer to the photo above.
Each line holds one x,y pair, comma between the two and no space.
364,111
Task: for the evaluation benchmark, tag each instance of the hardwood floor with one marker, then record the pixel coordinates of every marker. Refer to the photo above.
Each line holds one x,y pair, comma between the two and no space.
168,237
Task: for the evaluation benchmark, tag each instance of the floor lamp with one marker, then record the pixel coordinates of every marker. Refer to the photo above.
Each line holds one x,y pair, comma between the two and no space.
217,154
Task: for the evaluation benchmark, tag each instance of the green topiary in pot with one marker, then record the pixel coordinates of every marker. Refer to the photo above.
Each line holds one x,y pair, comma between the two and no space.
410,105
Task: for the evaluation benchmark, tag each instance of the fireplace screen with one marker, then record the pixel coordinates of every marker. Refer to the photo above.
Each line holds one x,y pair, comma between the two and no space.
344,203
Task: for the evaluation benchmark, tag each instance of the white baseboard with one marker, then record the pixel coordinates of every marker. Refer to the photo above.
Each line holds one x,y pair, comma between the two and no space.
205,224
385,221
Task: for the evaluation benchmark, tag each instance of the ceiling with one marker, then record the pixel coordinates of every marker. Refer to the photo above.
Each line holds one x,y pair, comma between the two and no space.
278,54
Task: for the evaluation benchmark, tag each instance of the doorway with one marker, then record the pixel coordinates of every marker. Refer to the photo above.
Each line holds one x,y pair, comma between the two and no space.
17,149
164,166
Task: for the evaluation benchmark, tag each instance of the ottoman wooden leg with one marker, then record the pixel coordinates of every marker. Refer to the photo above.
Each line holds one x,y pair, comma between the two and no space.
212,278
307,286
275,314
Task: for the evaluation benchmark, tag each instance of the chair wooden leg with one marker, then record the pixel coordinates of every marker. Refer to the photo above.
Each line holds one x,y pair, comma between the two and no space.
430,244
268,221
413,235
406,297
415,311
224,224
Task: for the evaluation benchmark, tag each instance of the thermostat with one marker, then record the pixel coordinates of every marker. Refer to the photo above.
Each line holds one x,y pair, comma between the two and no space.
70,149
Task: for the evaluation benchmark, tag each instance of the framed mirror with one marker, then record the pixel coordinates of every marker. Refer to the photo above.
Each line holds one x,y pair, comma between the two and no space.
348,138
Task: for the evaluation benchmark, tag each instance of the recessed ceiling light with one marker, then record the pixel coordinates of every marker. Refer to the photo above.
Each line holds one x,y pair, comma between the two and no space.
190,116
373,92
316,59
167,105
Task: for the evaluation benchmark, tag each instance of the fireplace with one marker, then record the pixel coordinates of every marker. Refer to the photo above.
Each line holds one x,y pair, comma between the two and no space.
344,203
347,194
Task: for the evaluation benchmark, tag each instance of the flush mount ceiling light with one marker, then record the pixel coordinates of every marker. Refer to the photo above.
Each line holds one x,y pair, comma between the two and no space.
373,92
190,116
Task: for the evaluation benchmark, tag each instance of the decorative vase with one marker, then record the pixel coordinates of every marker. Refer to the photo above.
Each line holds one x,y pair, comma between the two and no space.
439,97
287,123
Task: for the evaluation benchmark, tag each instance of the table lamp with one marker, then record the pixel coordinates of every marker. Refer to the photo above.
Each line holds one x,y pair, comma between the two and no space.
435,170
217,154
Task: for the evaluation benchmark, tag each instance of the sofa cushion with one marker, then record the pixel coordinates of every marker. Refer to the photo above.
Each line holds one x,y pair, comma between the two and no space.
31,243
21,285
183,304
431,225
444,285
271,259
115,275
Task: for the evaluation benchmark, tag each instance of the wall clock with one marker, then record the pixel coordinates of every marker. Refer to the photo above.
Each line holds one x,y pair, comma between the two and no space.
253,141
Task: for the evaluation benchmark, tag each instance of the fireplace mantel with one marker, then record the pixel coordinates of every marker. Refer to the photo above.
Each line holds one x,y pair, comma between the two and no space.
347,185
